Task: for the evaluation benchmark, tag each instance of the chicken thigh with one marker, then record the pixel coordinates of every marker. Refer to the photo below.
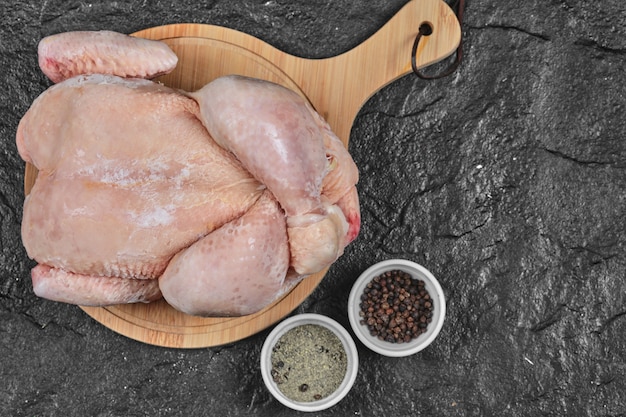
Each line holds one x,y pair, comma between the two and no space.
218,200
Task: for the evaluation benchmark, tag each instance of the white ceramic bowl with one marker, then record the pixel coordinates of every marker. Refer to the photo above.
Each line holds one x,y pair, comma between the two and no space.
348,345
397,349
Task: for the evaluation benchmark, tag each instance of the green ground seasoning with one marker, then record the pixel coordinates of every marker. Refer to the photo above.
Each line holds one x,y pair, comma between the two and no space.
308,363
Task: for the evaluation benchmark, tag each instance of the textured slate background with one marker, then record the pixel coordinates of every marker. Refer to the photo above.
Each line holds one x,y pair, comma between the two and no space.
507,180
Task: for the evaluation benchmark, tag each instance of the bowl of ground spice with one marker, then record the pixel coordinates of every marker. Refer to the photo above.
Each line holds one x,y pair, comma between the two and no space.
396,307
309,362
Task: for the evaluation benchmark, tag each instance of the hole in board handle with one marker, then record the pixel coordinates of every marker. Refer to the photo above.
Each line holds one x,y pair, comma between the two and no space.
426,29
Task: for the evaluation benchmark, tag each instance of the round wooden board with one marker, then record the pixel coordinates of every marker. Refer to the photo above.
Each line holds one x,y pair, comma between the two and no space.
337,87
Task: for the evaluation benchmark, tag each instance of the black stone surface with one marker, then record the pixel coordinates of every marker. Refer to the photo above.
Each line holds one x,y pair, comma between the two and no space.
506,179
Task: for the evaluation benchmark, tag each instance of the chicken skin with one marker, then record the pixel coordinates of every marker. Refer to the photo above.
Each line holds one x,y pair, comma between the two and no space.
219,200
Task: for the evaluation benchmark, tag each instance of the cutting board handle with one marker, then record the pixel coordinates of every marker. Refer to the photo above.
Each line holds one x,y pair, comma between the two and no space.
339,86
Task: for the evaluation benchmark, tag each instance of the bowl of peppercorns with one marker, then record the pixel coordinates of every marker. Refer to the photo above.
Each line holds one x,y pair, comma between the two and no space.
396,307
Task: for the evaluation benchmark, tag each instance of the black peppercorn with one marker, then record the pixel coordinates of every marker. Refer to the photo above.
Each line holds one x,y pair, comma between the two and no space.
396,307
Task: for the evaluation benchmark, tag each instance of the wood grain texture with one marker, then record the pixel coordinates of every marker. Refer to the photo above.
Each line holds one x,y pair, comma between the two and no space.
337,87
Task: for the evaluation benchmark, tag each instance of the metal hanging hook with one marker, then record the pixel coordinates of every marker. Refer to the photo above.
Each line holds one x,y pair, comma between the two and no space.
426,30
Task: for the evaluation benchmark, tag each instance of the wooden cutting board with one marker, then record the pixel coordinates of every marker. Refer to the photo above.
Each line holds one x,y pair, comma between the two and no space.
337,87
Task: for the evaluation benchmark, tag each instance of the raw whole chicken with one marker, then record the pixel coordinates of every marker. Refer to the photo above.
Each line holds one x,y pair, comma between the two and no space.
218,200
